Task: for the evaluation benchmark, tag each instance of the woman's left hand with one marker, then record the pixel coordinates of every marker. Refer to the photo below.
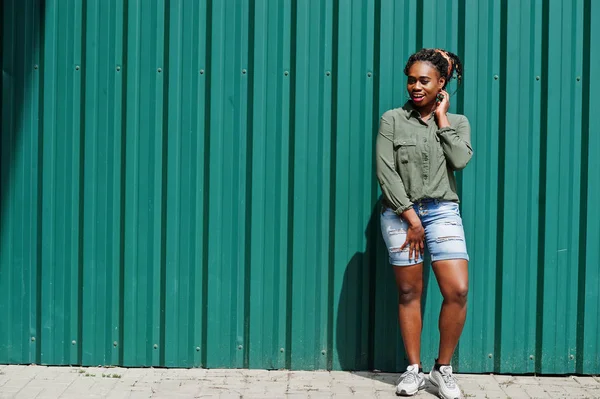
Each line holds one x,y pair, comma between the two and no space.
442,107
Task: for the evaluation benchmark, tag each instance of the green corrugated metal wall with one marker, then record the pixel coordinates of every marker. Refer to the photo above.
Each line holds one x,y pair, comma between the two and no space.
191,183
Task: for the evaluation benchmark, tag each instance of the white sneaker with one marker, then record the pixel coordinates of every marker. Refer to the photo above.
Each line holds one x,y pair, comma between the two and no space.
410,381
446,383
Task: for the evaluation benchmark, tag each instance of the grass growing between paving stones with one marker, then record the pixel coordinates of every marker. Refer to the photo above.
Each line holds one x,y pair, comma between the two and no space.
104,375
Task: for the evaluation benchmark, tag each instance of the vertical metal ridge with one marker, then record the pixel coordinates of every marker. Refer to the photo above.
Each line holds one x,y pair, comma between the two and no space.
198,121
501,184
460,110
129,180
291,186
461,39
583,196
332,184
40,185
372,233
173,228
285,92
255,261
206,184
591,363
183,209
542,189
420,25
122,182
370,13
48,168
164,169
248,194
81,182
88,239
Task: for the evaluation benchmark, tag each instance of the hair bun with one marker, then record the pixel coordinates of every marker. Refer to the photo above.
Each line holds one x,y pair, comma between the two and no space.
444,54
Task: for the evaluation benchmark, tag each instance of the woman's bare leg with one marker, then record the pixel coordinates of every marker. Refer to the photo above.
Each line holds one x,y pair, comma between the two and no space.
453,279
409,280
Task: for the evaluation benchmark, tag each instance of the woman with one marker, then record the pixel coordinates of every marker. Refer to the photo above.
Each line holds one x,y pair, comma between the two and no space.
419,147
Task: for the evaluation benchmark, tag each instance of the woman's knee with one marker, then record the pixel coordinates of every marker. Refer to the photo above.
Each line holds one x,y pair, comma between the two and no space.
457,294
409,292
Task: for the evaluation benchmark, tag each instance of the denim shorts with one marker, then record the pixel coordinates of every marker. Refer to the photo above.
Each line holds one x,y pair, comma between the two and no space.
444,234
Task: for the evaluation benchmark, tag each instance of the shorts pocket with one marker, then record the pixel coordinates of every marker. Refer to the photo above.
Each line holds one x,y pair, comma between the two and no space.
449,208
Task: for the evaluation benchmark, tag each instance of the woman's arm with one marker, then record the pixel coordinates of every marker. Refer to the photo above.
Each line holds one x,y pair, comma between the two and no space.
456,143
389,180
455,140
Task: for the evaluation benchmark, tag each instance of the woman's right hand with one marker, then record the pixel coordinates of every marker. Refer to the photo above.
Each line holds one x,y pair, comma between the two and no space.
415,236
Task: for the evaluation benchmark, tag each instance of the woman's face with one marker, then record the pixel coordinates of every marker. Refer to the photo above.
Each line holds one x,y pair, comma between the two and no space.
424,83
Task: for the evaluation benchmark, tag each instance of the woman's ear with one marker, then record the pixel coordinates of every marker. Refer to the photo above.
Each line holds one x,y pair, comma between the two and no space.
441,83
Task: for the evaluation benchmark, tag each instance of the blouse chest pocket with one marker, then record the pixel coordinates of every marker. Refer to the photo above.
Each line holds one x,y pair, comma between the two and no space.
405,149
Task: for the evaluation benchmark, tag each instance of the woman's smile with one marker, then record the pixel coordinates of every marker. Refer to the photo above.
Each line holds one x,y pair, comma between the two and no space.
417,97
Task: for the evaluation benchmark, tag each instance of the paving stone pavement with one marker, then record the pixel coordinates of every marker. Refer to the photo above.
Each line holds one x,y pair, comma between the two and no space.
40,382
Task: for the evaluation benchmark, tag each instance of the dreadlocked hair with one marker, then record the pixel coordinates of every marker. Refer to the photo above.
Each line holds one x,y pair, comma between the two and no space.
436,57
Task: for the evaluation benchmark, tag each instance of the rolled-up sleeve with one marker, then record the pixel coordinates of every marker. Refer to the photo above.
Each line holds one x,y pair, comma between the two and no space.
390,181
456,143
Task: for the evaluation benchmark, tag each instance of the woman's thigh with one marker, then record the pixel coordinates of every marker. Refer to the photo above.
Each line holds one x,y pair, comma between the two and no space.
453,277
444,233
394,230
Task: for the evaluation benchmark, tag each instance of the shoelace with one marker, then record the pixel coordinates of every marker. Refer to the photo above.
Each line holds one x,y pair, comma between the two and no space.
407,376
449,379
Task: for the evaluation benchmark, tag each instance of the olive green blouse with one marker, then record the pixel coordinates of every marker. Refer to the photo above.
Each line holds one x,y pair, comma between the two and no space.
417,160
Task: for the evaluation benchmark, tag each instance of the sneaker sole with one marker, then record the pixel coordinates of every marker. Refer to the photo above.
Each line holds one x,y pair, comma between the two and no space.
405,393
432,381
441,397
